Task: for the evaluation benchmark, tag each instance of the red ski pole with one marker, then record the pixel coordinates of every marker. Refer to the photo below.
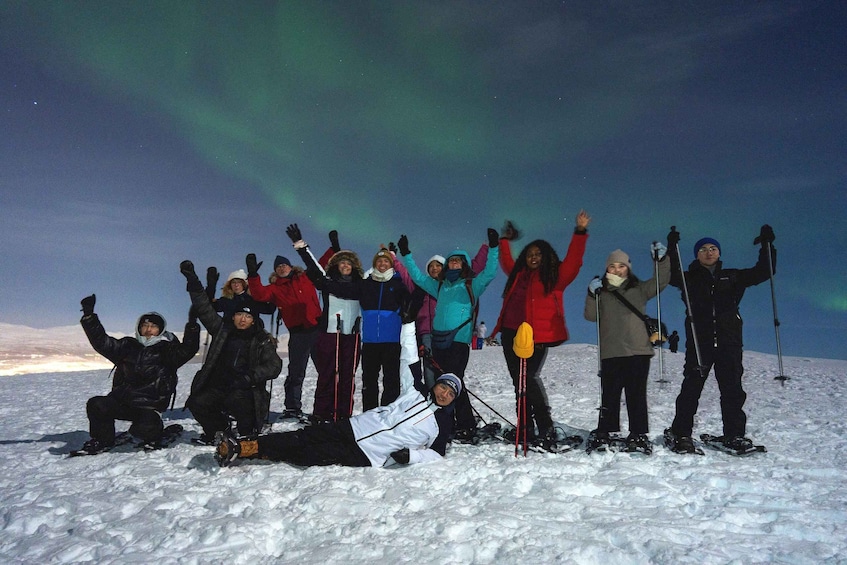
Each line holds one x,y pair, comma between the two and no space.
524,347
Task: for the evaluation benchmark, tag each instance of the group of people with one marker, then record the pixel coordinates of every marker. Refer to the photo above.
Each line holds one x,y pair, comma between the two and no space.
412,331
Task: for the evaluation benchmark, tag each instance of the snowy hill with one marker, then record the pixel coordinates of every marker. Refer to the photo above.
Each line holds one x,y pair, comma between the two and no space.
479,505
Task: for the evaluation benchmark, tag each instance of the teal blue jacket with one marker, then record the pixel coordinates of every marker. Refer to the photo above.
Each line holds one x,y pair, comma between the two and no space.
454,305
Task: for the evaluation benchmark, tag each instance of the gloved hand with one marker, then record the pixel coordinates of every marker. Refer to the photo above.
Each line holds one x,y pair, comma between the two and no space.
333,241
403,245
493,238
87,304
392,247
192,280
294,233
673,237
212,278
765,235
595,285
401,456
252,265
510,231
658,250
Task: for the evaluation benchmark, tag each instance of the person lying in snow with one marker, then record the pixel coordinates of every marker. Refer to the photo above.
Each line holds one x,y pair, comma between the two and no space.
415,428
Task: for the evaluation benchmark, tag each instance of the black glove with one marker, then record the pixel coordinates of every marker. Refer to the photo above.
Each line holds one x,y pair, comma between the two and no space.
252,265
333,241
493,238
212,278
401,456
765,235
510,231
87,304
673,237
294,233
392,247
192,280
403,244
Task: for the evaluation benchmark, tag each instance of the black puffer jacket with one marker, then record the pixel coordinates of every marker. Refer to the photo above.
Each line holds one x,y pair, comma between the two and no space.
264,362
145,376
715,299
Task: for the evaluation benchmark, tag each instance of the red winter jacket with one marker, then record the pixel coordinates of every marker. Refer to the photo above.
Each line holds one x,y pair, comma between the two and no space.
294,295
544,312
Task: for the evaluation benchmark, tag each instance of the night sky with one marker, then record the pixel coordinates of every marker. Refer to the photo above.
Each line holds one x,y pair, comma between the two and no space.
138,134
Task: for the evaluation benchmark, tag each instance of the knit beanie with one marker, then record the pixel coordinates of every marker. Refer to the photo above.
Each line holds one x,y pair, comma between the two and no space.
618,256
436,258
706,241
280,260
524,345
383,253
239,274
452,381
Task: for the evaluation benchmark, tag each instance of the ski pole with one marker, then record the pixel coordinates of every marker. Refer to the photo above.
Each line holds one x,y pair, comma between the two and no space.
271,381
689,312
599,358
520,430
661,379
496,413
524,347
337,347
781,377
357,336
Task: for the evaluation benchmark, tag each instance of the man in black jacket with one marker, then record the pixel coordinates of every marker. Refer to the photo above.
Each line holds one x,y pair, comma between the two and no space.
715,293
145,375
241,359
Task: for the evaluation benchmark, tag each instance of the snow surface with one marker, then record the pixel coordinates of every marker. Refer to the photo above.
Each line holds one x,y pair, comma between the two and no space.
480,504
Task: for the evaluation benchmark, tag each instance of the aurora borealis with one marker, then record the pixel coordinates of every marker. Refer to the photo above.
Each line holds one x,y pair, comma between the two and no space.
137,134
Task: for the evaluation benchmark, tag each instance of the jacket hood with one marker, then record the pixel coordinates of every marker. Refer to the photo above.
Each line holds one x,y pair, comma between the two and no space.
461,253
164,335
346,255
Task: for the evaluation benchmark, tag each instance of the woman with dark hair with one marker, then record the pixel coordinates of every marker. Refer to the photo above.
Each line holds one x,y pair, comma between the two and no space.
534,294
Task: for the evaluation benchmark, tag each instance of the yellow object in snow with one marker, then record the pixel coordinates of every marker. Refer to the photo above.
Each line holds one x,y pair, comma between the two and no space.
524,345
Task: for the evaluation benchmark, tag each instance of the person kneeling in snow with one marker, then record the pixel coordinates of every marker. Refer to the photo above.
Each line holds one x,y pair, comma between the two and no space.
145,375
415,428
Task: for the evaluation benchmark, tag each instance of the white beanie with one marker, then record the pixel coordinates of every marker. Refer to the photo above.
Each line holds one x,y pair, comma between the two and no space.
239,274
438,258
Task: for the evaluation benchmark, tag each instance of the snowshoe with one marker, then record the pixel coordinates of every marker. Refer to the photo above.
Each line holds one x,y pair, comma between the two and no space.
681,444
293,414
489,433
95,447
639,443
734,446
601,442
467,435
204,439
169,435
554,442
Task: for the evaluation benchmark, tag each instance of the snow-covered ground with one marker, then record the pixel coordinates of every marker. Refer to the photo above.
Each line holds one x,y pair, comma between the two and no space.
479,505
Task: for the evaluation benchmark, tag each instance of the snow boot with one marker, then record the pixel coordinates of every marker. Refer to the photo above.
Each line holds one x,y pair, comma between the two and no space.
231,448
639,443
598,441
681,444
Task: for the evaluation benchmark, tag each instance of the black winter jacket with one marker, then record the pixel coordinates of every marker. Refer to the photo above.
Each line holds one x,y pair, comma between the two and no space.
715,298
264,362
145,377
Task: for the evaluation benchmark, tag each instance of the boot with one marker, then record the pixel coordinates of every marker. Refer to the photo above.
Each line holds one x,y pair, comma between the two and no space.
230,448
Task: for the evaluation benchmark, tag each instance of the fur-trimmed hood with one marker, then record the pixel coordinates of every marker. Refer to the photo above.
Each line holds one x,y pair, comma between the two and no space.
346,255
